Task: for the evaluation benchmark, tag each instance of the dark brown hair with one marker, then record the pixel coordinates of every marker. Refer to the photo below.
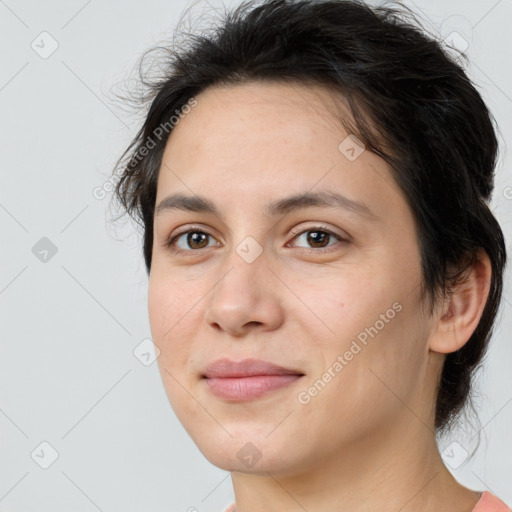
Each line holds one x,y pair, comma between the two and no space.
411,103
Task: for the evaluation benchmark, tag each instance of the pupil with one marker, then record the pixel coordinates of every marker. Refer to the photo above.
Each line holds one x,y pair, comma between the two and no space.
311,237
192,237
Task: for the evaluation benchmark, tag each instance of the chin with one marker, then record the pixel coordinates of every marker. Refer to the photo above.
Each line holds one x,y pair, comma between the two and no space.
246,453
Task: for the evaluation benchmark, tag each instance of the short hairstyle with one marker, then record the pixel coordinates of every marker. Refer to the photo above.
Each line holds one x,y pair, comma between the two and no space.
411,103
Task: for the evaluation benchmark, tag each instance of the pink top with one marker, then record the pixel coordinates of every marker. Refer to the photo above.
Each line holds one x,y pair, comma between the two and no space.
490,503
487,503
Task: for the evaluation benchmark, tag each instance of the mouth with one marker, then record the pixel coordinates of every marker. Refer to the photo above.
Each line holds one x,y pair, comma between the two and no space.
247,379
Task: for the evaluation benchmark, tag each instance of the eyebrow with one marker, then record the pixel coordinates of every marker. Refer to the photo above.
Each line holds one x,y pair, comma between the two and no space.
283,206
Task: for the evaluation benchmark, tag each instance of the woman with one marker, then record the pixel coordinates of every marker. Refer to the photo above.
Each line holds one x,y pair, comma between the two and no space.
313,180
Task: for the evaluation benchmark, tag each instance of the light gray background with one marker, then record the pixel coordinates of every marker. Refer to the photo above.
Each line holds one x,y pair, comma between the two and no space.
69,326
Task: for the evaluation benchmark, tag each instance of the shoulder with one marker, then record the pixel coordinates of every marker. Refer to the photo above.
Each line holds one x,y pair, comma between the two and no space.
490,503
231,508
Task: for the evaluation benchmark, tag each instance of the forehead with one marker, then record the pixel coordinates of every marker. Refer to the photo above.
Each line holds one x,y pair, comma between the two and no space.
273,104
261,139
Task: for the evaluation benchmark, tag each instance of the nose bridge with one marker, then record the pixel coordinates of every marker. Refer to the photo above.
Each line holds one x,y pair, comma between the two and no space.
246,245
245,265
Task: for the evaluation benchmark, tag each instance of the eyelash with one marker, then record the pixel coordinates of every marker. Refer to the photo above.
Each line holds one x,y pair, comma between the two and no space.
171,242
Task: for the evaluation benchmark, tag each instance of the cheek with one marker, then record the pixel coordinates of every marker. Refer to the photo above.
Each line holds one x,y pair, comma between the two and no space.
350,304
169,322
374,326
159,305
371,381
388,367
170,317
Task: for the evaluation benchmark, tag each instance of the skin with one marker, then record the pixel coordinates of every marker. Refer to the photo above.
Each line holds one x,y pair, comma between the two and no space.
366,441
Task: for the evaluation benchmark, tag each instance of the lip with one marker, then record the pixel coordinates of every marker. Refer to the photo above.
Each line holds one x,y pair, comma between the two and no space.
246,368
247,379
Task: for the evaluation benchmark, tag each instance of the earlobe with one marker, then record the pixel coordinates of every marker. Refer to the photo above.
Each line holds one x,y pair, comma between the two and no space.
463,309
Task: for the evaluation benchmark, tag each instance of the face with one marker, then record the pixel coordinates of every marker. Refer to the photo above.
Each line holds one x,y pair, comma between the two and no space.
328,291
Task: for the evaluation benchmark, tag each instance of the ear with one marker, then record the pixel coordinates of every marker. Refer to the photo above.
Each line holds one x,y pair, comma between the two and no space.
463,309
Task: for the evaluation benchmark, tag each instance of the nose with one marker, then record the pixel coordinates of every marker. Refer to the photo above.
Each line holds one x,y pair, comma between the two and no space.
246,297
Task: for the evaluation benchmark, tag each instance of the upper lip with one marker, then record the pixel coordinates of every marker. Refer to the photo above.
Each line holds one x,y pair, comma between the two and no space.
245,368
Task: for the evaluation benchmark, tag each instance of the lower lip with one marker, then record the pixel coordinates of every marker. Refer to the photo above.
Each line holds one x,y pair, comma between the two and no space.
248,388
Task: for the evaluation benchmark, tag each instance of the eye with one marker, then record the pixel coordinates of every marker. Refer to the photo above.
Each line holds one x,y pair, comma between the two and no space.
318,237
197,239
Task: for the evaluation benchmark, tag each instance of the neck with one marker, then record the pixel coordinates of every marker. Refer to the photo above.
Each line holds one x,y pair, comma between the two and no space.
398,470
